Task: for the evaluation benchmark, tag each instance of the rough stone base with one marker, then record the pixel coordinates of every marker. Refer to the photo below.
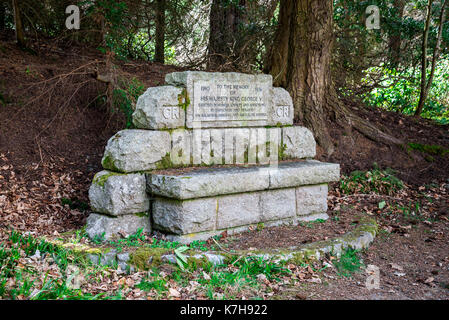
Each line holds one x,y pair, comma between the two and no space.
118,194
231,212
97,224
201,236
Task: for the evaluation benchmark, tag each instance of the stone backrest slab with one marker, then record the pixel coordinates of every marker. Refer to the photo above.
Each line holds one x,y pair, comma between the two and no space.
136,150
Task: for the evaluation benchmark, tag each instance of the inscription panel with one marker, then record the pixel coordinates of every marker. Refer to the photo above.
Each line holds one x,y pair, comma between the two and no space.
230,101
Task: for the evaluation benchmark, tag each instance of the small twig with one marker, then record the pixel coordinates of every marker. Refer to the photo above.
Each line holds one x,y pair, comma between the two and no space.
236,260
223,249
370,195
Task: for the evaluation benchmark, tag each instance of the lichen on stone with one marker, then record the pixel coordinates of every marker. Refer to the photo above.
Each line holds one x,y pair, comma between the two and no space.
100,179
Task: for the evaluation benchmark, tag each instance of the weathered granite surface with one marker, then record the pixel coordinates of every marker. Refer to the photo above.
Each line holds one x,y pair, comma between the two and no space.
221,181
182,217
204,119
208,182
160,108
307,172
281,113
136,150
298,142
225,99
311,199
97,224
240,210
118,194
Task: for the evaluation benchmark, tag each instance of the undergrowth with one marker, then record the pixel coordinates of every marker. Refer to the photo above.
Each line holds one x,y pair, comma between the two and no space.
375,180
348,263
19,280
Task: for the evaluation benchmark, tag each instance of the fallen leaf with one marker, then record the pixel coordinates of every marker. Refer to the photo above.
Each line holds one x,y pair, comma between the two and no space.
429,280
396,266
174,293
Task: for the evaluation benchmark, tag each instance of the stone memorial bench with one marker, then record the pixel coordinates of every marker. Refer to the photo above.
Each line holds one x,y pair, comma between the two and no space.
212,152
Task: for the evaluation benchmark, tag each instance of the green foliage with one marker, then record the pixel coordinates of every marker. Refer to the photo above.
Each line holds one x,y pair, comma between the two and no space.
126,35
429,149
348,263
199,245
399,91
369,65
133,240
115,14
125,96
158,284
244,271
375,180
25,278
98,239
181,259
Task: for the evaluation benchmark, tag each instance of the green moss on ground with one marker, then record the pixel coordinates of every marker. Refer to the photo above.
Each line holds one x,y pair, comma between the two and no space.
143,258
429,149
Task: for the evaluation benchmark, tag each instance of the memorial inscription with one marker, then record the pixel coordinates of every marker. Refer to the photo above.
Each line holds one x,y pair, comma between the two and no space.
227,101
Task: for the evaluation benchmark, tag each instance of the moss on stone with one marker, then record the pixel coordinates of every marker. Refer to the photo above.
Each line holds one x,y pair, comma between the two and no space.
108,163
183,99
142,258
281,151
142,214
195,263
101,179
165,162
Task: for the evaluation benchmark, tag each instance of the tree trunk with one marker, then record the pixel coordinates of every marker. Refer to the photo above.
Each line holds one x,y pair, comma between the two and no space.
20,37
424,59
223,48
301,63
159,55
2,16
277,58
394,42
426,84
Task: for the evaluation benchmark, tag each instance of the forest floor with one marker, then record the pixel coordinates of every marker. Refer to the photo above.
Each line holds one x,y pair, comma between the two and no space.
53,130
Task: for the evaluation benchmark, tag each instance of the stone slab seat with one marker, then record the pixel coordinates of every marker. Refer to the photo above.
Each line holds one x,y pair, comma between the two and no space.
209,182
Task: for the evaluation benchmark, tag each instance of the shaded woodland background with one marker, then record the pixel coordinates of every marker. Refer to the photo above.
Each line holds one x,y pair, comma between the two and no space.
371,96
377,101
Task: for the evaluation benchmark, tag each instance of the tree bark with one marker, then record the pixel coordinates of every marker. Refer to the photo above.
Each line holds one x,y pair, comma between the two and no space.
394,42
277,58
426,84
223,48
301,63
20,37
2,16
159,55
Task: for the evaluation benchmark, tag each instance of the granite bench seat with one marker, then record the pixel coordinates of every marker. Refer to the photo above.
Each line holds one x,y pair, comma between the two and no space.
210,152
208,182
